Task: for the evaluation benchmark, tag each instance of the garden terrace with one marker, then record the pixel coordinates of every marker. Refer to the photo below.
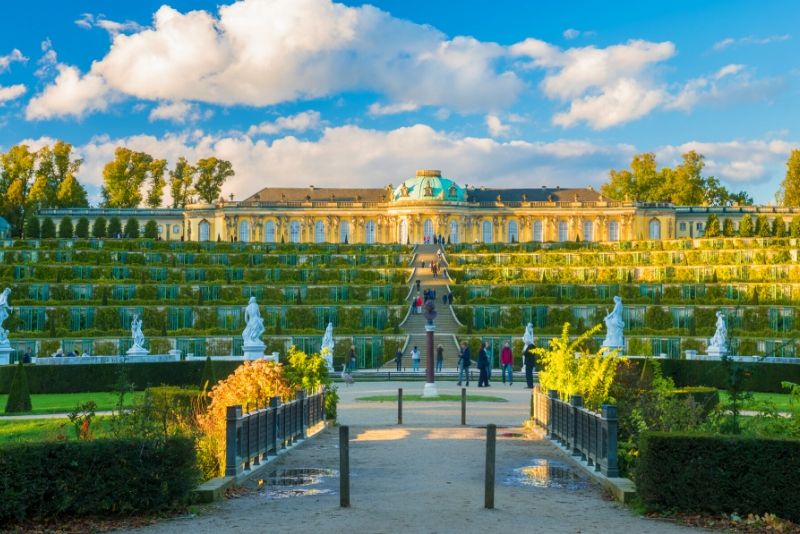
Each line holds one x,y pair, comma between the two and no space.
671,290
82,295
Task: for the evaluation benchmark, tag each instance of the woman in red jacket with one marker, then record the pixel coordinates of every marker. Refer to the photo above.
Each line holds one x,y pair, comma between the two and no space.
507,361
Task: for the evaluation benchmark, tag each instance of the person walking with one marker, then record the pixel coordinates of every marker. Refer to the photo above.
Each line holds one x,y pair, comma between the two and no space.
507,361
417,286
529,359
415,359
419,304
351,359
464,361
398,359
490,355
483,367
439,358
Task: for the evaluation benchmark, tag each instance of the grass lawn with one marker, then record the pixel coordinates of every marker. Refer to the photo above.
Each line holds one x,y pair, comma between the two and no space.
418,397
66,402
782,401
15,430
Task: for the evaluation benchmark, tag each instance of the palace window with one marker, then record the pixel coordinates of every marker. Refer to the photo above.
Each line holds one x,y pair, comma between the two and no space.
655,229
319,232
269,232
244,231
204,230
487,231
344,232
403,232
370,230
454,232
513,232
587,231
427,229
294,232
613,231
682,227
537,231
563,233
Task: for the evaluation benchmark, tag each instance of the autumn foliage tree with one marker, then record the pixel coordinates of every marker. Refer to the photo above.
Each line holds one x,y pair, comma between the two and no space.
211,174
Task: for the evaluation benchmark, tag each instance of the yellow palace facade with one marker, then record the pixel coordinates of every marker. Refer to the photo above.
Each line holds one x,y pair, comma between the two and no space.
423,208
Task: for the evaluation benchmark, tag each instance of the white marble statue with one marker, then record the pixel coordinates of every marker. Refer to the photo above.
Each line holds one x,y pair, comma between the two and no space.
5,311
326,349
251,335
138,338
614,325
718,345
527,337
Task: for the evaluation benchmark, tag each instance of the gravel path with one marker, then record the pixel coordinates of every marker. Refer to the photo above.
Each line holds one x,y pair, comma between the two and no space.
426,476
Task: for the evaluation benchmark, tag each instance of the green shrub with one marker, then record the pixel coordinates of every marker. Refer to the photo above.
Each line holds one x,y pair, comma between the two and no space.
132,228
114,227
19,395
209,378
151,230
32,229
706,397
82,228
719,474
99,227
45,480
65,228
746,226
48,228
172,407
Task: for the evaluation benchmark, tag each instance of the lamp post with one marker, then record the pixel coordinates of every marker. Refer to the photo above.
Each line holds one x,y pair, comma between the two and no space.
430,379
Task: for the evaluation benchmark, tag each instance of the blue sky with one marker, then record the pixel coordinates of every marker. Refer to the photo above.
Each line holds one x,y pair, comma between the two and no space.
300,92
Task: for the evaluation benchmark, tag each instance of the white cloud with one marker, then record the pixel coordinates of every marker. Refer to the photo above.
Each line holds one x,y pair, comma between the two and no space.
496,127
300,122
571,33
89,21
11,92
178,112
731,83
49,60
605,86
71,94
749,40
14,56
262,52
378,110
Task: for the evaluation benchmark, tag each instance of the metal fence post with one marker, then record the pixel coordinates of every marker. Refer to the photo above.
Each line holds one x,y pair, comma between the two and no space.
274,404
232,416
301,396
552,397
575,403
609,465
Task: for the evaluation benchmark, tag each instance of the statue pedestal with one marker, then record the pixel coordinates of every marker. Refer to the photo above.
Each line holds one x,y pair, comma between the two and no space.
137,351
253,351
717,352
5,354
430,391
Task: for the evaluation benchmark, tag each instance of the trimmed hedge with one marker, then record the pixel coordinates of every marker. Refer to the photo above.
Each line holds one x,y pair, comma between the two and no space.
719,474
765,377
96,477
19,397
104,376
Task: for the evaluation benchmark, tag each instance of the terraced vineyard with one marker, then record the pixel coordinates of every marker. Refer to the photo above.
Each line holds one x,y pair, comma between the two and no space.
82,295
671,291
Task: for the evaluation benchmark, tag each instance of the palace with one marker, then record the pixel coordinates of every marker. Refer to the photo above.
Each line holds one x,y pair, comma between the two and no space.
423,207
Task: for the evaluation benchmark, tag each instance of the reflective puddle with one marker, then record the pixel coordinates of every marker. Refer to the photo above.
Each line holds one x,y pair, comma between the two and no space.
303,482
545,473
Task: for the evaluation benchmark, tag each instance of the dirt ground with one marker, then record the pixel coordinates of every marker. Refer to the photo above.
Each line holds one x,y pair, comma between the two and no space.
425,476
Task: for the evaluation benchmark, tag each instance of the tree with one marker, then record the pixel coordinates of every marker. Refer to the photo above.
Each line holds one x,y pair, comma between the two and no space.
99,228
65,229
180,182
32,229
746,226
151,230
763,228
728,229
15,181
55,185
19,394
795,226
712,226
132,228
211,174
48,228
123,178
157,183
778,227
789,193
114,227
82,228
71,194
687,186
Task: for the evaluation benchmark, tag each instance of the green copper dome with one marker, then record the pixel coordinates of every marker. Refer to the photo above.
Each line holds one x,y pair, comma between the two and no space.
429,185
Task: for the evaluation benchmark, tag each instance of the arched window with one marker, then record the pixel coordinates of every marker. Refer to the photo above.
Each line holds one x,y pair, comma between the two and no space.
427,230
344,232
588,231
563,233
487,231
244,231
294,232
537,231
369,228
454,232
655,229
204,230
613,231
403,232
319,232
513,232
269,232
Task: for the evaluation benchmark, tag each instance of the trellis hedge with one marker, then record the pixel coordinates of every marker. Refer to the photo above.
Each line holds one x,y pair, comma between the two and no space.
765,377
105,376
719,474
51,479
